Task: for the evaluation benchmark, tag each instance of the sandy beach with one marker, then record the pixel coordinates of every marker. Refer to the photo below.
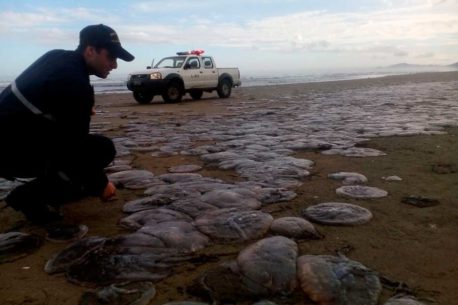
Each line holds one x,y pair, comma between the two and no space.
413,119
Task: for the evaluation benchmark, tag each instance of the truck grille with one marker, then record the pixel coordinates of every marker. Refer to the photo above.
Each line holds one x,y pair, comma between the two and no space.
139,76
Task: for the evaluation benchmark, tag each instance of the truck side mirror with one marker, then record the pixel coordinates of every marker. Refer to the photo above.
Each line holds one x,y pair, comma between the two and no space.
148,67
187,66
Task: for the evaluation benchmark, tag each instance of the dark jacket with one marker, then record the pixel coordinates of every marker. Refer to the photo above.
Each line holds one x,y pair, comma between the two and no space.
57,84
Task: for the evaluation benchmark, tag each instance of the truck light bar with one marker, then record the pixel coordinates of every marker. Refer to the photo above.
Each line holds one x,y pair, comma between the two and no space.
192,52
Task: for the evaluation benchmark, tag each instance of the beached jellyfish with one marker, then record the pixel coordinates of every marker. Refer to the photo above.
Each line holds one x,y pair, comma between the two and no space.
234,224
392,178
337,213
6,186
331,280
177,234
232,198
266,267
76,251
360,191
130,293
151,217
294,227
403,300
137,239
117,168
180,177
348,178
150,202
269,266
134,179
420,201
355,152
269,195
14,245
103,261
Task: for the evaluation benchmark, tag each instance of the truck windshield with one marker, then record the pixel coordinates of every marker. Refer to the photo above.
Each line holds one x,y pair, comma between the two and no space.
171,62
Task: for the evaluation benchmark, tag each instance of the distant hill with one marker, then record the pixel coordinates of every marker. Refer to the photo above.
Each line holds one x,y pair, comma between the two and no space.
410,66
401,65
406,66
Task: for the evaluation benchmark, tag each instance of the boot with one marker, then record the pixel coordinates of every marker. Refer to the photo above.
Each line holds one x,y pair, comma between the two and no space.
65,232
32,200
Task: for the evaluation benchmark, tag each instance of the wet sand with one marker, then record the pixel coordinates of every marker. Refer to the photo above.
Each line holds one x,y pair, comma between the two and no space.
406,244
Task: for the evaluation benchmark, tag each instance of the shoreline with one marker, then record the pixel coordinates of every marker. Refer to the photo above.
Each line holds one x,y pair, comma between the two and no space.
102,88
419,75
330,85
404,243
383,80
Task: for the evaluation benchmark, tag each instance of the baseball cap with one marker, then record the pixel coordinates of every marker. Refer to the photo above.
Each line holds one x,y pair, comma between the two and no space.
103,36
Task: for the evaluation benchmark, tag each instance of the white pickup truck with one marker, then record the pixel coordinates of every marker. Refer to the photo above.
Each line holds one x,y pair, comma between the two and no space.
187,72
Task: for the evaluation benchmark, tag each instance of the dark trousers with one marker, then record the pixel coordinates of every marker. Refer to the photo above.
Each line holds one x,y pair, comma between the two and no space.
61,173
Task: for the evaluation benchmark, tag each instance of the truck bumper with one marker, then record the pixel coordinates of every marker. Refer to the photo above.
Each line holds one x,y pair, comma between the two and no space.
154,86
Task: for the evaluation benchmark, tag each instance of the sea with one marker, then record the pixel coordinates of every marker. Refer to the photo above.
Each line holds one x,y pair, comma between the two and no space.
117,84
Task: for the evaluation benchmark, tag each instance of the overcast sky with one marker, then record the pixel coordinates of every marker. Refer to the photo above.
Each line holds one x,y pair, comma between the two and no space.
258,36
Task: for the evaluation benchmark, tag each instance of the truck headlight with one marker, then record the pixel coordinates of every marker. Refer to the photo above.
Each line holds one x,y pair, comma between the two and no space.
155,75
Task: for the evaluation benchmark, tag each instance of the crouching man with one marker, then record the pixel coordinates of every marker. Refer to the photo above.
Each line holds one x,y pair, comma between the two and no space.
44,127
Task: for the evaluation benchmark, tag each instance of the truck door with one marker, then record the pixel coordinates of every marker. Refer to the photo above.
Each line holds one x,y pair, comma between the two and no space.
191,73
209,73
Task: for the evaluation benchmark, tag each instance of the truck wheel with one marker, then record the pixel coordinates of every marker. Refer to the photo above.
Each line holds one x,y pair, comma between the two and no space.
143,97
196,94
173,93
224,88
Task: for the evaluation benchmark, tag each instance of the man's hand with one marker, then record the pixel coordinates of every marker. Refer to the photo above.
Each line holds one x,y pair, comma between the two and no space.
109,192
